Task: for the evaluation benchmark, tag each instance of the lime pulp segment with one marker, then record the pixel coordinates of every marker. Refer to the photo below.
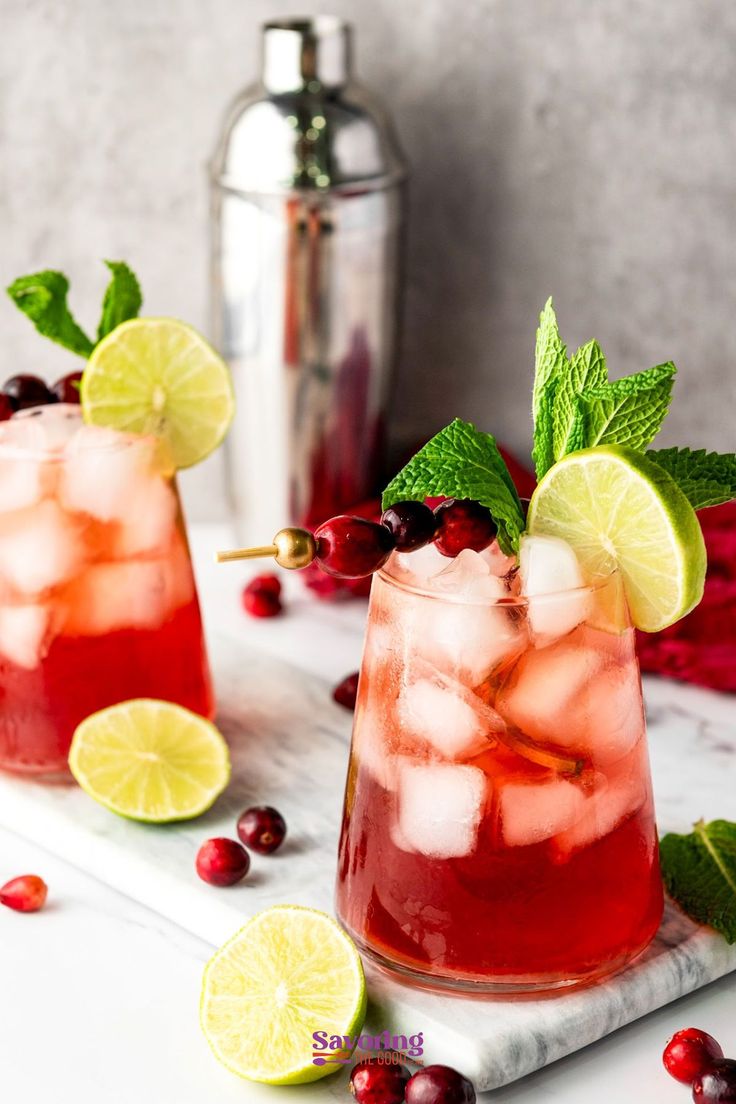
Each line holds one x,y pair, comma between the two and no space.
150,760
289,972
619,510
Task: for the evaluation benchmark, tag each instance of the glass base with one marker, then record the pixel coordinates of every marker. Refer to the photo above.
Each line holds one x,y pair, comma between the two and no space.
489,986
58,773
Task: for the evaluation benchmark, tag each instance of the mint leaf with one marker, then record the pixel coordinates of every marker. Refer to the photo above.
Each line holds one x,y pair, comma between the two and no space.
585,371
628,411
550,360
577,433
543,450
462,462
706,478
699,871
122,300
42,297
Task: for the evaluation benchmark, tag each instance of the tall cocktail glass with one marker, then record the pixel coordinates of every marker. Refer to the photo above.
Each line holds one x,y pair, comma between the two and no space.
498,830
97,597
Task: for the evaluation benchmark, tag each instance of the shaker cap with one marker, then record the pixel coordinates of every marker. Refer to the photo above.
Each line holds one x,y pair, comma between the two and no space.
306,124
310,53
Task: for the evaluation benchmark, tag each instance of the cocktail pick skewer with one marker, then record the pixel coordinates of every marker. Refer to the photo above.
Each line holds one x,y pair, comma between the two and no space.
292,548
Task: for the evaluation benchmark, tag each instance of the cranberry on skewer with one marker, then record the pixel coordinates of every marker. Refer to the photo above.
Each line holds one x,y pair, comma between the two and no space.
461,524
350,547
411,524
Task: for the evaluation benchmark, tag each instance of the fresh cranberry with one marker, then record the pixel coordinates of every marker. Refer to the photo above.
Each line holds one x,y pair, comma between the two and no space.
6,408
222,862
66,389
439,1085
346,692
373,1082
24,894
262,596
262,828
26,391
350,547
462,523
717,1084
688,1053
411,524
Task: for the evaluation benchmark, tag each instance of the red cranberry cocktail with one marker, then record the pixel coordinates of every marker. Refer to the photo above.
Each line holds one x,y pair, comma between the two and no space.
499,829
97,596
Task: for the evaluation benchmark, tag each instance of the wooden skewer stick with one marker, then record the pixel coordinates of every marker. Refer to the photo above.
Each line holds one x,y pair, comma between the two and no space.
292,548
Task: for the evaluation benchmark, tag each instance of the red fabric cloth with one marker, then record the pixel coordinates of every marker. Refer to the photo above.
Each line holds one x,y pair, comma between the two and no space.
702,647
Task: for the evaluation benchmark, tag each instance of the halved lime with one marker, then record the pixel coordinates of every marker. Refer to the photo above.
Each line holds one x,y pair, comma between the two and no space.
620,510
289,972
159,376
150,760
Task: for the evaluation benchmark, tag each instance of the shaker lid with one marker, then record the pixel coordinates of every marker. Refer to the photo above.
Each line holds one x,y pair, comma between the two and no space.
310,54
306,124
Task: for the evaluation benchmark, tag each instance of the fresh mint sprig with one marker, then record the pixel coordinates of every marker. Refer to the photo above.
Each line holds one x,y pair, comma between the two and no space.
699,871
576,406
42,296
462,462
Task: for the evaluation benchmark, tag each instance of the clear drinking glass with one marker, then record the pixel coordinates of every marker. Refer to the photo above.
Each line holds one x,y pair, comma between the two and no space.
97,596
499,829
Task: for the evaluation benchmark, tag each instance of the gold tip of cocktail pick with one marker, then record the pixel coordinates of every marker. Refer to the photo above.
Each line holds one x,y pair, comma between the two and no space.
292,548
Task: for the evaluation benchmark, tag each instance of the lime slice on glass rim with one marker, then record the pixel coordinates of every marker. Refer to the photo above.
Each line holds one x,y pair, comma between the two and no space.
150,760
159,376
289,972
620,510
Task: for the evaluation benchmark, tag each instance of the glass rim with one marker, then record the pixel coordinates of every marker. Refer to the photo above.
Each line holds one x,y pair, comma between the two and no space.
11,450
507,602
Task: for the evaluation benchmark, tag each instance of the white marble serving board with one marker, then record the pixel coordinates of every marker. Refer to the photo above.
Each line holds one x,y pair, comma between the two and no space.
290,743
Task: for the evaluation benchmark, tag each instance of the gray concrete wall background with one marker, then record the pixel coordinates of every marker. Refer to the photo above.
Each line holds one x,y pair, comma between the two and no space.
587,150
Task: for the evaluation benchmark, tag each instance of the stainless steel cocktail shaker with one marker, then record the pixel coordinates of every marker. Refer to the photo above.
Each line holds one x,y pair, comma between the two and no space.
307,211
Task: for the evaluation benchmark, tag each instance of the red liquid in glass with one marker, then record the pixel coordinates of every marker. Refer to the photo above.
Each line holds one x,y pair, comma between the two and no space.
39,709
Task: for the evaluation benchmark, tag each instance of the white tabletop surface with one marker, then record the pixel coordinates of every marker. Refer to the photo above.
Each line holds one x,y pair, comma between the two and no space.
99,996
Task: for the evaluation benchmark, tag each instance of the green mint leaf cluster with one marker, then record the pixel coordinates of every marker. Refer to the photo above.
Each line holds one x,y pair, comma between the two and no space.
42,298
706,478
462,462
699,871
576,406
